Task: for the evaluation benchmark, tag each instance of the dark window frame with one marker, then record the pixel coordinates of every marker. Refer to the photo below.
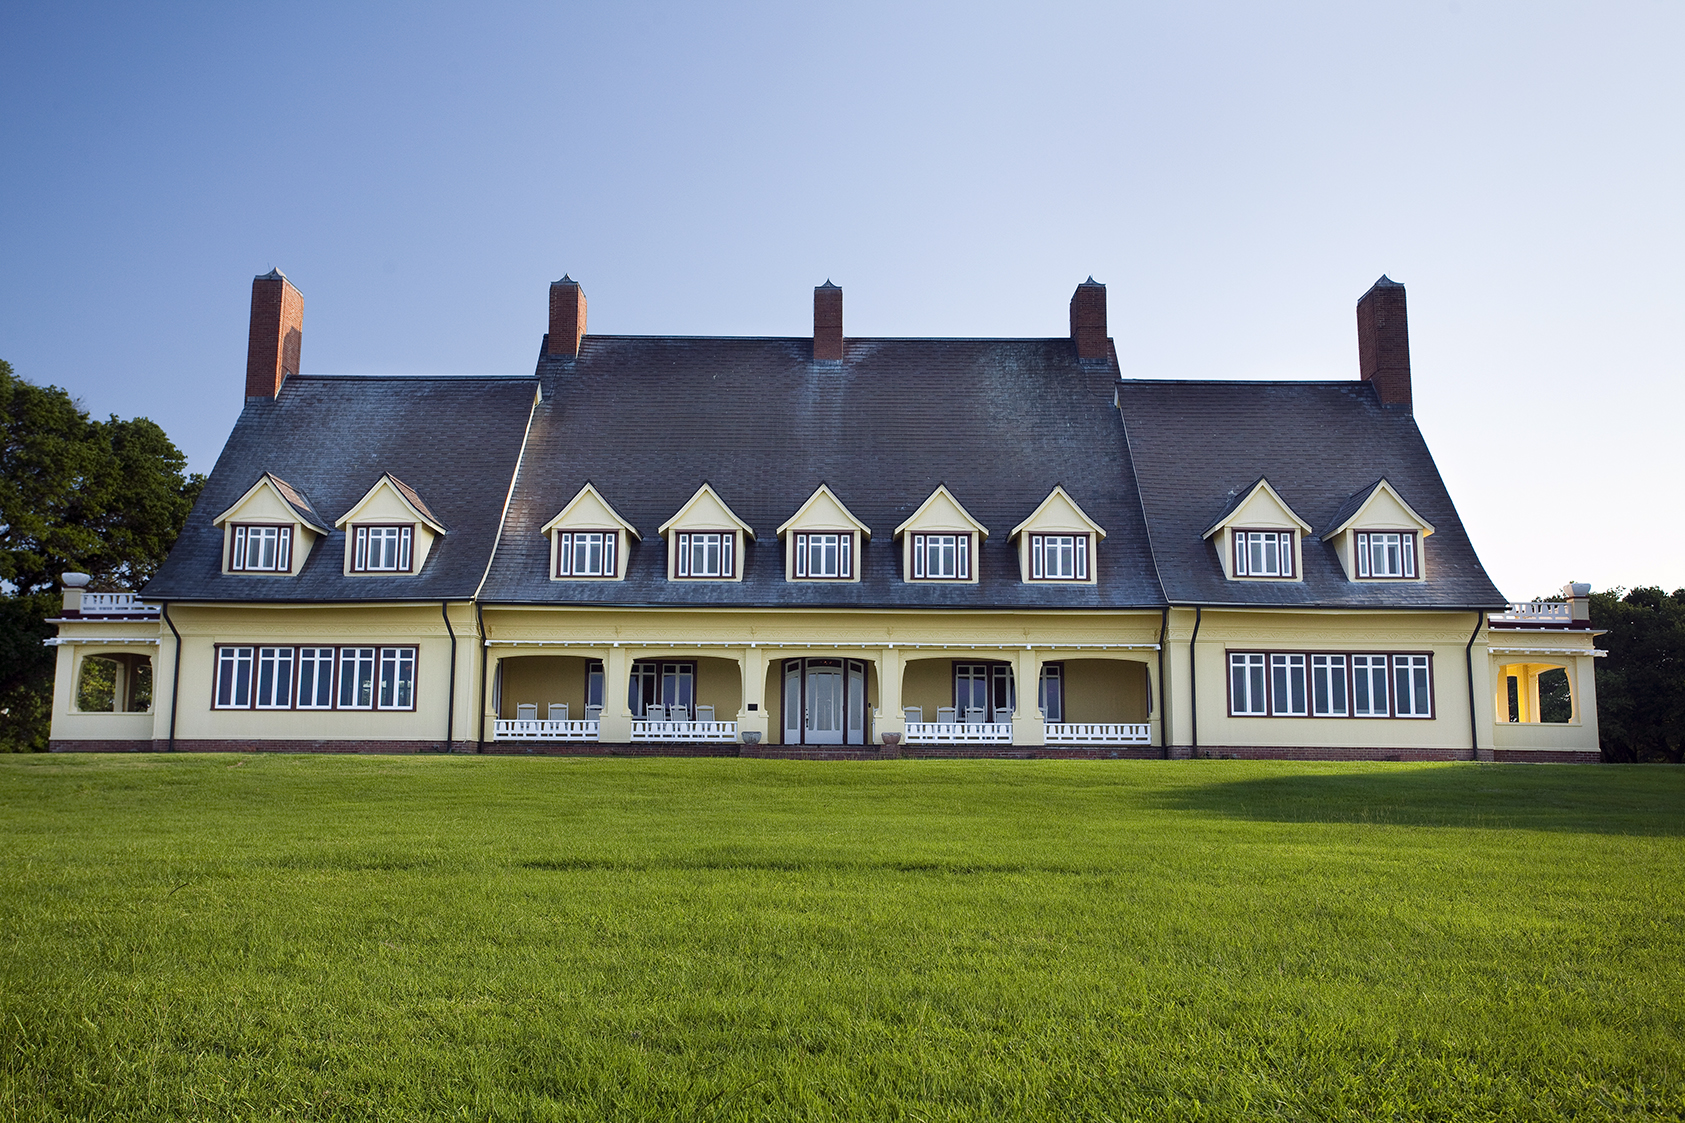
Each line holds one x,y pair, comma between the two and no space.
847,550
965,547
1410,556
1082,551
283,547
361,540
1390,659
1288,554
296,668
564,554
682,555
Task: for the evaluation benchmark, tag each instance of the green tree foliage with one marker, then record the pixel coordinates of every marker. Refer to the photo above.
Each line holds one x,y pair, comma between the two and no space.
1641,684
102,497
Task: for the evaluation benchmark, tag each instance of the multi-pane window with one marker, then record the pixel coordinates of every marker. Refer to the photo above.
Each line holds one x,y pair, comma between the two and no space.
705,555
825,555
586,553
1412,696
1328,685
274,678
1369,686
1263,553
1314,684
1050,692
314,678
1386,553
1058,557
1287,685
1247,692
261,549
382,549
942,557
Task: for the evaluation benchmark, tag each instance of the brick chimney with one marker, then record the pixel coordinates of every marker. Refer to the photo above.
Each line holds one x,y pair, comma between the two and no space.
276,333
827,323
567,317
1383,342
1088,319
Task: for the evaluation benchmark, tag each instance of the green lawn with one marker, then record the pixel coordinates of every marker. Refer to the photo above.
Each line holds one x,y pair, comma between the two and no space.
295,937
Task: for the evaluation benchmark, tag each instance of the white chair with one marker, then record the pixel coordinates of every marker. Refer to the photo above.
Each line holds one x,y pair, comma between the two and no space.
944,715
705,713
974,715
527,712
913,714
593,713
558,711
653,712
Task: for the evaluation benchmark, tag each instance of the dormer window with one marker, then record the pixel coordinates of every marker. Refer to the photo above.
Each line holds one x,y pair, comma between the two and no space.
825,556
261,549
1263,553
1386,554
706,554
942,557
383,549
587,553
1058,557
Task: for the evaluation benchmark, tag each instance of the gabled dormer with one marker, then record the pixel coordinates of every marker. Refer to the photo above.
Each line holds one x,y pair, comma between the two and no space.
1057,542
823,540
705,539
1259,537
1378,536
939,542
269,530
389,531
589,539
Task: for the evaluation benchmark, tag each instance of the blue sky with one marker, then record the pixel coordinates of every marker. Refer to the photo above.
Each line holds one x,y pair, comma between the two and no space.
1237,175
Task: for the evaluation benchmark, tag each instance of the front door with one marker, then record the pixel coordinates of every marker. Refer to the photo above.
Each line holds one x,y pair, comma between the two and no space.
824,718
824,702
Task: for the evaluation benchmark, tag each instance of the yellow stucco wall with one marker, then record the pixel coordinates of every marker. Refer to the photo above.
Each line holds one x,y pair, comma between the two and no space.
1105,690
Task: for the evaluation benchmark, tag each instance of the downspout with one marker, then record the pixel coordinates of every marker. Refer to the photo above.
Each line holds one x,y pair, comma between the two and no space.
175,675
1468,659
1193,683
450,704
480,723
1163,718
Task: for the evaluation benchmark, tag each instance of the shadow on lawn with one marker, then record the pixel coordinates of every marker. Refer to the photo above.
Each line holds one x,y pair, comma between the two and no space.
1592,800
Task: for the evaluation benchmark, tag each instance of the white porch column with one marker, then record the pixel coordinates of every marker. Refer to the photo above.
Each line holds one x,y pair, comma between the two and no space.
890,718
616,727
752,718
1028,726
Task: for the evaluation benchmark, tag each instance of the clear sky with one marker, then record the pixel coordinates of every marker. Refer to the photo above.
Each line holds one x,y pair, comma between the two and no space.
1238,175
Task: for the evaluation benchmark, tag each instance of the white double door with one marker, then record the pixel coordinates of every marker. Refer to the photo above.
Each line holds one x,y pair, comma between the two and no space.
824,702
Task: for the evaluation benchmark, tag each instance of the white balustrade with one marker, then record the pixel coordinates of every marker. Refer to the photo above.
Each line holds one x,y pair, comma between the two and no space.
684,730
1535,612
532,730
959,732
116,604
1097,733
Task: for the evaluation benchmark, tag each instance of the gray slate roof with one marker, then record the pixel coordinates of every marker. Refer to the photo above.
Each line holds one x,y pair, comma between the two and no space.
1320,444
453,441
648,420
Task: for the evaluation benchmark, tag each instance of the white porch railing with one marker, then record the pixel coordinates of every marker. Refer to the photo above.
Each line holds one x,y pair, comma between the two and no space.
1535,612
116,604
959,732
1097,733
529,730
684,730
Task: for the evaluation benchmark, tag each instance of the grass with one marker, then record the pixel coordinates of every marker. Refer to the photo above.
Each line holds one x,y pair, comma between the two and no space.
295,937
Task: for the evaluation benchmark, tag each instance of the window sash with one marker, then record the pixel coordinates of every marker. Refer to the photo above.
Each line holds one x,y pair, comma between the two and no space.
1287,686
1059,557
356,678
587,553
1328,685
942,557
1247,688
1412,688
824,555
383,549
233,678
274,678
315,677
1369,686
1263,553
261,549
1386,554
397,678
706,554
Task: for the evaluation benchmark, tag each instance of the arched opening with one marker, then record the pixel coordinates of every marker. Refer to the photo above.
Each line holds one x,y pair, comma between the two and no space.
114,682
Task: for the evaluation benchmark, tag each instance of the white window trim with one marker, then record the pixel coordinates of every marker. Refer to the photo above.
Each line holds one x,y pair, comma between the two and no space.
362,540
845,547
963,548
239,534
684,546
1285,548
1080,547
1361,546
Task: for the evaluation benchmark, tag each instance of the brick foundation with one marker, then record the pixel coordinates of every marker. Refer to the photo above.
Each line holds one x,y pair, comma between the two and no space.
837,752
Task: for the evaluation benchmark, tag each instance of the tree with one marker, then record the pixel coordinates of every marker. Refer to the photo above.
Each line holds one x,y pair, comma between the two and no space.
105,498
1641,683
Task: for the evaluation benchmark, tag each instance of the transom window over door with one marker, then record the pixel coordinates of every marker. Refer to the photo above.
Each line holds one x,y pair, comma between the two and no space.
1059,557
825,555
382,549
261,549
1386,554
942,557
587,553
1263,553
707,554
